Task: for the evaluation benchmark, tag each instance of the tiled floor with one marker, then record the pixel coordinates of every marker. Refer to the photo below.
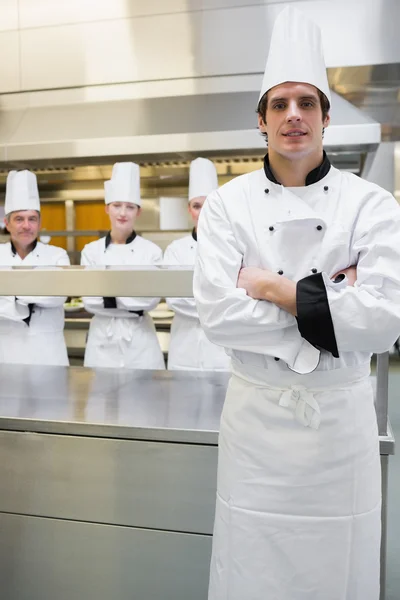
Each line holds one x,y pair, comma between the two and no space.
393,556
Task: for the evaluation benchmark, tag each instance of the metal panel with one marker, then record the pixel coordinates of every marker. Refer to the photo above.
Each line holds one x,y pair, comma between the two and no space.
9,65
108,52
373,41
43,559
45,13
52,57
140,484
8,15
87,281
247,37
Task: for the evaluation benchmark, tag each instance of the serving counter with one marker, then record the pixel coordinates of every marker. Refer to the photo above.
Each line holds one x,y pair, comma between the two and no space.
108,482
108,477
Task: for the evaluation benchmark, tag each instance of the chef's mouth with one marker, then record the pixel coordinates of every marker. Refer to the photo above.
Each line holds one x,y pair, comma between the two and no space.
295,134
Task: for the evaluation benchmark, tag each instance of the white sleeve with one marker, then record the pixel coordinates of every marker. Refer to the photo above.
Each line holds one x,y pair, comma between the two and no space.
138,303
366,317
93,304
48,301
182,306
13,310
229,317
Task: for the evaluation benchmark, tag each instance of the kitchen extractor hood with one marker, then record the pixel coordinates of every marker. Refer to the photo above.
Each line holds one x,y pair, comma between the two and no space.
158,129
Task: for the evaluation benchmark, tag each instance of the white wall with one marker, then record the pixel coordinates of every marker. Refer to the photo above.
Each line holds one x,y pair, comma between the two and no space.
49,44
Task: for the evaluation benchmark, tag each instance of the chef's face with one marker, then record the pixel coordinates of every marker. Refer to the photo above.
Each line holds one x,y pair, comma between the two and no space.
294,120
123,216
195,206
23,226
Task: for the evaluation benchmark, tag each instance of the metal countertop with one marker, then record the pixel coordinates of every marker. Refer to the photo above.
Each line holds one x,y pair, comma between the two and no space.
167,406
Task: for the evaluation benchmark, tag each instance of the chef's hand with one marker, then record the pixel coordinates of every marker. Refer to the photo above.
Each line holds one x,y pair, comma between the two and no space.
262,284
351,274
255,281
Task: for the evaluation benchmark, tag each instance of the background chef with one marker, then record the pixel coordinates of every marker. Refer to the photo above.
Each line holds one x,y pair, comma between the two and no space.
31,327
189,347
299,501
121,333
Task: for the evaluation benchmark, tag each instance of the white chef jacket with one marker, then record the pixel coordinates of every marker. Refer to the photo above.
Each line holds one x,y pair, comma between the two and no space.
119,337
324,227
189,348
32,327
298,465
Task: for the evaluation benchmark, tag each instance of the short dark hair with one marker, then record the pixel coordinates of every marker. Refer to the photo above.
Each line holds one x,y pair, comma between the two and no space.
263,103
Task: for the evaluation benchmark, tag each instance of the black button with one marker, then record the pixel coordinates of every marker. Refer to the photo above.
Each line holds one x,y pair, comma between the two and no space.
266,190
314,270
326,188
280,272
276,358
319,227
271,228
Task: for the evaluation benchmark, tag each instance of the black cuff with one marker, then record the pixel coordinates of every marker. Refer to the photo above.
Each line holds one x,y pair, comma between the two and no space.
27,320
314,318
110,302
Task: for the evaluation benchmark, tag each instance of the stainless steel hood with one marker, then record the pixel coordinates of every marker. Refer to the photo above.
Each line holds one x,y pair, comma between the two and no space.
149,130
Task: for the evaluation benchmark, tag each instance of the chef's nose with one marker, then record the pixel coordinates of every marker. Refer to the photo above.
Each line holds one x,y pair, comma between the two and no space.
293,113
123,210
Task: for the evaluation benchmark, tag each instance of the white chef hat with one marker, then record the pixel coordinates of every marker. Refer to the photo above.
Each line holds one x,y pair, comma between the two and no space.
21,192
295,53
203,178
124,185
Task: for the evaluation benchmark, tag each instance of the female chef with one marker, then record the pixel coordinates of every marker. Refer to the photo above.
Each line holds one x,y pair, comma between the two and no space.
122,334
189,347
298,501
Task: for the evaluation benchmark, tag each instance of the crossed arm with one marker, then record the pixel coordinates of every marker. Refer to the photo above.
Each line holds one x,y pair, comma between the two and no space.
262,284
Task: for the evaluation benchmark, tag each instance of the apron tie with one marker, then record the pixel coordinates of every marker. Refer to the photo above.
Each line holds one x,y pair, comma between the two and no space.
304,405
120,331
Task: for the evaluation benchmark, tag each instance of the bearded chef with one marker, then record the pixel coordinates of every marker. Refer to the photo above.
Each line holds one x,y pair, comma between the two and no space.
298,276
189,347
121,333
31,327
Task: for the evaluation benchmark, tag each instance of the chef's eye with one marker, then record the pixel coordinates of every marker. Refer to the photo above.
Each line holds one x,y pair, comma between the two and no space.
278,105
308,104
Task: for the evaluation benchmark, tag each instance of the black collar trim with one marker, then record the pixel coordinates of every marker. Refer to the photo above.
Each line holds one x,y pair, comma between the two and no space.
128,241
313,177
14,250
194,234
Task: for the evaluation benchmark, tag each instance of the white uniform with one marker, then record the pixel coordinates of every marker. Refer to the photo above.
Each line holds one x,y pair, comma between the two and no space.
299,500
119,337
189,347
38,340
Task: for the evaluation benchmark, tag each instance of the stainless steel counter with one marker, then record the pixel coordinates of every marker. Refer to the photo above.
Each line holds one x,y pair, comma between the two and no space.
107,482
167,406
143,405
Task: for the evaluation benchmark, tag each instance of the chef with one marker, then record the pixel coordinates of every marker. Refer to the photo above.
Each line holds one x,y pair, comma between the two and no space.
121,333
31,327
189,347
298,277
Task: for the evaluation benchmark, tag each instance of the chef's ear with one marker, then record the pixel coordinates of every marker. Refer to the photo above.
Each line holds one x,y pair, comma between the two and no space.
262,126
326,121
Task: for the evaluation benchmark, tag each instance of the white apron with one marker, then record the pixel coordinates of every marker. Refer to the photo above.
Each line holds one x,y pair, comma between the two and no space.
118,337
298,509
189,347
42,341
